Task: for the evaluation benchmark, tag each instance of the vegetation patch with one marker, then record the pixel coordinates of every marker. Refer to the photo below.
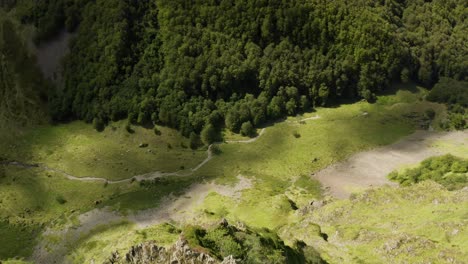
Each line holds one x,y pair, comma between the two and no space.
76,148
247,244
448,170
419,223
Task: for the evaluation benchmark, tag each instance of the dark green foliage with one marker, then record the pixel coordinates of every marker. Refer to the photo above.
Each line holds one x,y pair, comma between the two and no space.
430,114
187,64
296,134
457,121
448,170
98,124
156,130
450,91
455,94
248,245
129,129
194,140
60,199
215,149
23,90
208,134
247,129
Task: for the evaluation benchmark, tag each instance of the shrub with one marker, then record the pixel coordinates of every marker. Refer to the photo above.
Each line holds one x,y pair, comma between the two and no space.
60,199
457,121
448,170
194,140
156,130
430,113
215,149
449,91
98,124
247,129
129,129
208,134
296,134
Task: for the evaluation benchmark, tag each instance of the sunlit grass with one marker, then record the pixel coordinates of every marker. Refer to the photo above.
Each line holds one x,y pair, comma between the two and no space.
78,149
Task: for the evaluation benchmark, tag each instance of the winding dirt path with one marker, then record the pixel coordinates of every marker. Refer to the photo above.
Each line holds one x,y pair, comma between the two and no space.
370,168
140,177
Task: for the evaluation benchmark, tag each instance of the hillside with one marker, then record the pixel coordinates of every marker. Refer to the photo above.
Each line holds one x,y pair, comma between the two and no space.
23,91
192,65
233,131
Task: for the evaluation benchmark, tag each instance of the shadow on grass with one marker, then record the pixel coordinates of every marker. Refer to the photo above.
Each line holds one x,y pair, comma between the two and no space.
17,240
21,196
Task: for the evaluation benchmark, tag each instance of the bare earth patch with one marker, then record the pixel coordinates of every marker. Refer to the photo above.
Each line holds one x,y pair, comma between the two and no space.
174,208
370,169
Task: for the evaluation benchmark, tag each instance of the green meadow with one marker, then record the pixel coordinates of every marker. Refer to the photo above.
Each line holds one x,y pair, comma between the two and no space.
278,164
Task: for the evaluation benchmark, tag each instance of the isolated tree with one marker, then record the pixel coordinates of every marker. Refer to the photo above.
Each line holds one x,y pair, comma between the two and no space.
247,129
194,140
98,124
208,134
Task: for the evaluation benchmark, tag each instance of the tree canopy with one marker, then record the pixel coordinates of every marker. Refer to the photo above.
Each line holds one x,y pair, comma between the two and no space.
187,64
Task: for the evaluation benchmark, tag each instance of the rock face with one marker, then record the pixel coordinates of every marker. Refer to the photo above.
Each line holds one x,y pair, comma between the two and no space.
179,253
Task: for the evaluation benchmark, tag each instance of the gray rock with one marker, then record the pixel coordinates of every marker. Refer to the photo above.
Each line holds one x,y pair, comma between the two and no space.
230,260
150,253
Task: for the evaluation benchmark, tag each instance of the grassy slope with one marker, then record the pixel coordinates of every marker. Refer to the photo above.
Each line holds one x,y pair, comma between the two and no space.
278,163
29,203
119,237
113,154
423,223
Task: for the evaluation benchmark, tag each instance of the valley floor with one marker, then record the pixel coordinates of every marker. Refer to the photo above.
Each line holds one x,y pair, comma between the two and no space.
370,168
61,216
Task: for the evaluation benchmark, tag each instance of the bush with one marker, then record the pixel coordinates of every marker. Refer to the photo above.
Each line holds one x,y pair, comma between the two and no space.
194,140
450,91
208,134
448,170
98,124
129,128
247,129
156,130
296,134
430,114
457,121
252,246
215,149
60,199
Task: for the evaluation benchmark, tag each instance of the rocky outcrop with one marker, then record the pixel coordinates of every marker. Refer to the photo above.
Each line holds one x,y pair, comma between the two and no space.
179,253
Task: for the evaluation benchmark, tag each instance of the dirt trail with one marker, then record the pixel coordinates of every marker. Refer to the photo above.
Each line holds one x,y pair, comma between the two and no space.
370,168
141,177
248,140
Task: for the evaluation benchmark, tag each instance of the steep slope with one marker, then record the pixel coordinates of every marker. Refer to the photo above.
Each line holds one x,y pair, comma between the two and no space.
23,91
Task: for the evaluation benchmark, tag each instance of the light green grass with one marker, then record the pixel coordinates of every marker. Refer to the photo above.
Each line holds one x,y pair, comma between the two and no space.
78,149
421,223
336,135
280,164
102,241
29,204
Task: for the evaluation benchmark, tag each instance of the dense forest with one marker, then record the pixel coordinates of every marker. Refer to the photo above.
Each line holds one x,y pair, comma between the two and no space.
23,91
204,64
